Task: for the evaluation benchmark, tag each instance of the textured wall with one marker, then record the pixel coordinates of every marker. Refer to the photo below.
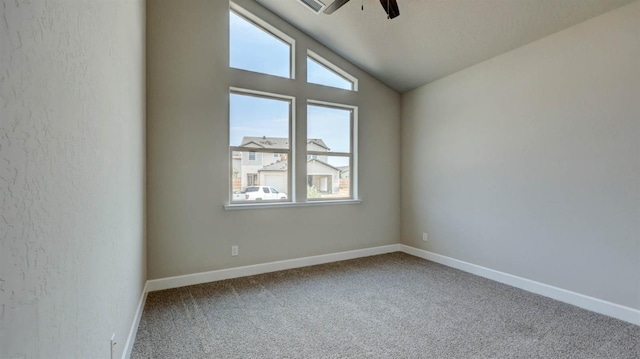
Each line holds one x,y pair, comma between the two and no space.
529,163
188,154
72,249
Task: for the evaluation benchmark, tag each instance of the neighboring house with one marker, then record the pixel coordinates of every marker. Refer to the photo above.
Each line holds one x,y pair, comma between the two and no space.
247,165
323,176
270,169
318,145
274,175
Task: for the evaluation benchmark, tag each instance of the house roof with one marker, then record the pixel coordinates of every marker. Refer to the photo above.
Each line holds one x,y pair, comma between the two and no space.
323,163
276,142
318,142
265,142
433,38
282,166
278,166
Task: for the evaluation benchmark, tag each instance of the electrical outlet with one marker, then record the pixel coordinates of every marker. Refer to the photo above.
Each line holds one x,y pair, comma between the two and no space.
113,345
424,237
234,250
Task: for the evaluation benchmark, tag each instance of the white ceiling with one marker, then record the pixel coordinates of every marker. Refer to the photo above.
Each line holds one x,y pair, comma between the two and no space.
434,38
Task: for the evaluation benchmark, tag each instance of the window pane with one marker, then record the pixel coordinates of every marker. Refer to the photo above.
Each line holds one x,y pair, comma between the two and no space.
258,122
328,177
328,129
320,74
262,179
254,49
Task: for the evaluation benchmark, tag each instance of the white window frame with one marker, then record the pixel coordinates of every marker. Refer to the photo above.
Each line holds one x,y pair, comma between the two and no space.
333,68
353,149
240,87
270,29
290,152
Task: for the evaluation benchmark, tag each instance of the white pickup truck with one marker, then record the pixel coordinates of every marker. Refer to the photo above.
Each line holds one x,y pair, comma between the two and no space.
259,193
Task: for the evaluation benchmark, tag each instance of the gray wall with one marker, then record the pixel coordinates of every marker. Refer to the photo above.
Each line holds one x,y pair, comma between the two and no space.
529,163
72,247
188,83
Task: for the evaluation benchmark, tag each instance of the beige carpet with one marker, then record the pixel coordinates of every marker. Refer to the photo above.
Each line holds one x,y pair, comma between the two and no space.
387,306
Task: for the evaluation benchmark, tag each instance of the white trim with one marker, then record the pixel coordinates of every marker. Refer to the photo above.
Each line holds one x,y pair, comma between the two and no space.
311,203
222,274
126,353
617,311
331,67
353,175
268,95
339,106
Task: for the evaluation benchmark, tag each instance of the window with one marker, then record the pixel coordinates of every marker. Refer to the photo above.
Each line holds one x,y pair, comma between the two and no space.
252,179
259,132
265,166
256,46
330,145
322,72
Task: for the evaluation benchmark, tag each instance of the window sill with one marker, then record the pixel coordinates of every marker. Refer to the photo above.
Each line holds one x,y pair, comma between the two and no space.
232,207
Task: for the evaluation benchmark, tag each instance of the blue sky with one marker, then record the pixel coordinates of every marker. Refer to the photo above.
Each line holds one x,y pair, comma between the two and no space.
256,117
331,125
253,49
319,74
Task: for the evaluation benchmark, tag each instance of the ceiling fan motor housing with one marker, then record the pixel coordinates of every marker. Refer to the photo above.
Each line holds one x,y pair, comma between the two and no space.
391,7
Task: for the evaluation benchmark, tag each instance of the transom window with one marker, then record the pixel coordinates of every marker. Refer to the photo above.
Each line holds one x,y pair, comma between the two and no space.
323,72
256,46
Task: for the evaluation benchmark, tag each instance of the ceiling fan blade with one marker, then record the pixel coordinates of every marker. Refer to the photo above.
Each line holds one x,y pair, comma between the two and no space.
335,6
391,7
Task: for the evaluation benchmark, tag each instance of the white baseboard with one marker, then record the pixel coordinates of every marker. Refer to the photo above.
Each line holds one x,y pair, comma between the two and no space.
126,353
216,275
627,314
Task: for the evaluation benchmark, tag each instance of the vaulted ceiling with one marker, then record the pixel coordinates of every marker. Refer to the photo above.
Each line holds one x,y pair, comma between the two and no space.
434,38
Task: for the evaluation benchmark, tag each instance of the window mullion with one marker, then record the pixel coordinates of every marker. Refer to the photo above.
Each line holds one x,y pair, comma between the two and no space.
261,150
333,154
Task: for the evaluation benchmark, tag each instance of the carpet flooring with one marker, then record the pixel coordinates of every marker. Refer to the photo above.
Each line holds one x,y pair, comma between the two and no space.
388,306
